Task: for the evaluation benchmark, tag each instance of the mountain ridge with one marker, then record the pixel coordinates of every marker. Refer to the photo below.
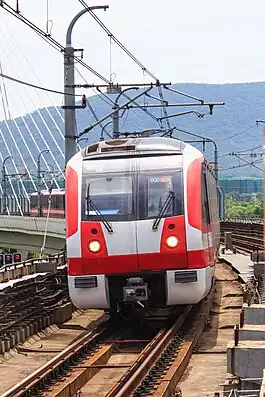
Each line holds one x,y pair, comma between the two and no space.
232,126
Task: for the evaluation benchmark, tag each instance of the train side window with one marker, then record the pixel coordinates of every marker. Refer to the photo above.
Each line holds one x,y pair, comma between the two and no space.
205,200
34,201
60,201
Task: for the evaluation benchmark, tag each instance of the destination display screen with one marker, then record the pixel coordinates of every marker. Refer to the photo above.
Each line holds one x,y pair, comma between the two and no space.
160,179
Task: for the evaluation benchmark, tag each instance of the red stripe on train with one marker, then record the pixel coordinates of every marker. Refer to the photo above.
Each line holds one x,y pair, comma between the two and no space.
194,193
127,263
92,231
71,201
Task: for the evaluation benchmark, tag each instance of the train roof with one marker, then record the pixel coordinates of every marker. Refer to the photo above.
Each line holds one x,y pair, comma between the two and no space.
136,145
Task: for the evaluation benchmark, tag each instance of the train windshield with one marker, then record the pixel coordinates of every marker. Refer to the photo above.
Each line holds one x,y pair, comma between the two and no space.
158,189
133,196
112,196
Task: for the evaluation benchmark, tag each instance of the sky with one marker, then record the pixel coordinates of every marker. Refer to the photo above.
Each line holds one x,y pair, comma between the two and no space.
178,41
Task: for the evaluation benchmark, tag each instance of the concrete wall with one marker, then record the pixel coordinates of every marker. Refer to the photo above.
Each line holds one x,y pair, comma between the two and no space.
27,233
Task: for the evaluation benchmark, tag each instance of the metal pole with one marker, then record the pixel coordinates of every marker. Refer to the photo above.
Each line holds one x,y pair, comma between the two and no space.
69,89
39,181
115,116
4,184
215,160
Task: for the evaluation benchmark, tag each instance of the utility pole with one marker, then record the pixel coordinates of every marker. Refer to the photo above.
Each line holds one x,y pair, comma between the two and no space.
115,116
69,89
39,181
4,184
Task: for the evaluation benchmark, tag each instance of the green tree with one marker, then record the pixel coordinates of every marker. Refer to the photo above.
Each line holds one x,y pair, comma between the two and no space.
252,207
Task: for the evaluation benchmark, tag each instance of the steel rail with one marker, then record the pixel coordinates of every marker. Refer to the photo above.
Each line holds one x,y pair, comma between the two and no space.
147,358
44,372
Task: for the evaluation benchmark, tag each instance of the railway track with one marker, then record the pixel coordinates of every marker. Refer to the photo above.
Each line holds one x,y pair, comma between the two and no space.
155,362
136,361
246,236
110,361
29,306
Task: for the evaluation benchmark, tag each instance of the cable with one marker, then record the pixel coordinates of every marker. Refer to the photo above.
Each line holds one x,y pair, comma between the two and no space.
33,71
55,44
248,162
238,134
112,37
35,86
88,102
238,166
38,111
241,151
110,34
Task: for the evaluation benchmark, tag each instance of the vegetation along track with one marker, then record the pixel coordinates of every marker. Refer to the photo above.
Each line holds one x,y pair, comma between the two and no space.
246,236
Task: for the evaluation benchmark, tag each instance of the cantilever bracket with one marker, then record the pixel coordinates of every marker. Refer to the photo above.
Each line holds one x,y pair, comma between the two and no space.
82,106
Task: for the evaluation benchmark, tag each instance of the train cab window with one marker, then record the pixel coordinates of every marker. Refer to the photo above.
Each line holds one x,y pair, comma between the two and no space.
156,190
111,195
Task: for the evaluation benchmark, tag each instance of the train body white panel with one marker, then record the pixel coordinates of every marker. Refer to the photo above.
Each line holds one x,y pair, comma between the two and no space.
123,239
148,240
94,298
180,293
194,239
74,245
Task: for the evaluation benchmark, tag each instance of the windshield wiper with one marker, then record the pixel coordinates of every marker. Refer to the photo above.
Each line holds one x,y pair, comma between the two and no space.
98,214
163,210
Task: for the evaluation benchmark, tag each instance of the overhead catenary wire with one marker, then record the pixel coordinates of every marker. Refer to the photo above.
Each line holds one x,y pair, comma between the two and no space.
55,44
249,162
237,166
241,151
238,134
112,37
5,76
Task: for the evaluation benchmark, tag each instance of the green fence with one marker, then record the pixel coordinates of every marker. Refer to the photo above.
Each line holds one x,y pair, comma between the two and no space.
241,185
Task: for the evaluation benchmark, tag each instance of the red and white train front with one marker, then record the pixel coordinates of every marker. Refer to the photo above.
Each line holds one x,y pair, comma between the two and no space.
142,224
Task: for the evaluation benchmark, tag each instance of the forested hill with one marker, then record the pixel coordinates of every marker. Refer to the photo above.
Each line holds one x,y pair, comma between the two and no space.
233,126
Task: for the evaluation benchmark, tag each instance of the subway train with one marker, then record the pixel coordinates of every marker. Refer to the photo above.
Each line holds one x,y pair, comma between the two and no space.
142,224
57,203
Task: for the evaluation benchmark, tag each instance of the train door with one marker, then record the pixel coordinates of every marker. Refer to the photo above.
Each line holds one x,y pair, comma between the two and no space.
160,230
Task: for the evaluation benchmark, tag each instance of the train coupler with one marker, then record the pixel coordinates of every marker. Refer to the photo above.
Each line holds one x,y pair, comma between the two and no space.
135,291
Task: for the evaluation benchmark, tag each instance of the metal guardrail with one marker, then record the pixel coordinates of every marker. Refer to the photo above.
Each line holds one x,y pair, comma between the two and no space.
249,220
17,270
13,203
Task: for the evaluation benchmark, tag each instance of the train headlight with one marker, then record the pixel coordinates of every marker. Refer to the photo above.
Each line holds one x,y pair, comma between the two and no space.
172,241
94,246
